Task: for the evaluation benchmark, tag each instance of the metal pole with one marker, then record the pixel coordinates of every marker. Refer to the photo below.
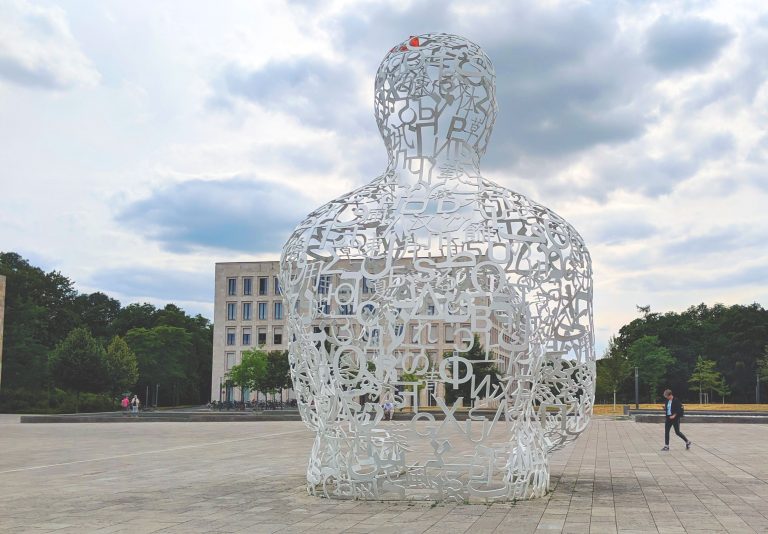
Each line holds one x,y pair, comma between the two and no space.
157,392
221,388
757,388
637,389
146,398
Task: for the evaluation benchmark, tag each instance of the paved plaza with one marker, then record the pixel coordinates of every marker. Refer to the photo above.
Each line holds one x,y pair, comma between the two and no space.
249,477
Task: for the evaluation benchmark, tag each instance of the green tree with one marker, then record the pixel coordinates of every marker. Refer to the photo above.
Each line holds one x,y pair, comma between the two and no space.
420,383
77,364
96,312
38,315
134,316
704,378
163,353
251,372
612,370
652,361
733,336
121,366
480,369
278,372
722,388
762,365
42,308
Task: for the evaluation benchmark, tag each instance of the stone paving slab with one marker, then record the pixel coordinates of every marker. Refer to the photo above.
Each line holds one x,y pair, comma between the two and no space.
249,477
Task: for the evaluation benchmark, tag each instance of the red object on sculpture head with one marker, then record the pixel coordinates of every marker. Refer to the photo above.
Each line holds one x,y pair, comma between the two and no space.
413,43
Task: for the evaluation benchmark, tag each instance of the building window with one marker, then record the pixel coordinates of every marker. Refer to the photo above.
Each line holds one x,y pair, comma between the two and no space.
398,329
248,286
431,309
262,336
346,309
368,285
263,285
231,311
278,311
230,336
375,336
277,286
230,360
449,333
247,311
262,311
323,307
231,286
247,336
277,334
324,284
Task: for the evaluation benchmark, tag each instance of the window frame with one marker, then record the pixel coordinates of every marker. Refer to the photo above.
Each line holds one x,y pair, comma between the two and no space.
264,279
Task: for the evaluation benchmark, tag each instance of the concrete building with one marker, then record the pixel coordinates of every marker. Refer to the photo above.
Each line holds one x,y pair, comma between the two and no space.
249,312
2,320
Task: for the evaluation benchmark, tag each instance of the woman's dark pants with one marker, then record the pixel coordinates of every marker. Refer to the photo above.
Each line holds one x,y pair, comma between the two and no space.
673,423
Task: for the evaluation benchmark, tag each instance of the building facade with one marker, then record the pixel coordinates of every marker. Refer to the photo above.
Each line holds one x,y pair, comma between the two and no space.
2,321
249,312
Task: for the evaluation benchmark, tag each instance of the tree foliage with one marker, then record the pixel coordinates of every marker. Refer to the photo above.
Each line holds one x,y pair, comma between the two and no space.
78,364
251,372
733,336
161,353
43,307
278,371
652,361
481,368
613,369
705,378
762,365
121,366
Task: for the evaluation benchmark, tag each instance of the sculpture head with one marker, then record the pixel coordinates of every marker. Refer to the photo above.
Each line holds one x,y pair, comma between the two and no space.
436,94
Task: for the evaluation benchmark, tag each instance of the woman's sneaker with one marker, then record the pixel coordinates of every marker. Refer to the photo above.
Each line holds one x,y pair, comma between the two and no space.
665,448
688,444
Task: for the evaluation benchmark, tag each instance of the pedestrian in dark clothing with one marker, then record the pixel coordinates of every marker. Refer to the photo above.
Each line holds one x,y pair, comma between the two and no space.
673,411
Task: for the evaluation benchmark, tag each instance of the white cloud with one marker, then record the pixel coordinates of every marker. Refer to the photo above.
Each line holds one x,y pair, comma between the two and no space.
37,48
654,149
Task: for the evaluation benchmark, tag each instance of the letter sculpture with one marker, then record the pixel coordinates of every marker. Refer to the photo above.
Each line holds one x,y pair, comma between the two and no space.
433,288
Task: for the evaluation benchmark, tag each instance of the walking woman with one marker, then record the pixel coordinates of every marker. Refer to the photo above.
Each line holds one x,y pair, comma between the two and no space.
673,410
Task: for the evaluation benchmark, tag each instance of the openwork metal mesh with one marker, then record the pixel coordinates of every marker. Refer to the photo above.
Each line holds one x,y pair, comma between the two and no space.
433,288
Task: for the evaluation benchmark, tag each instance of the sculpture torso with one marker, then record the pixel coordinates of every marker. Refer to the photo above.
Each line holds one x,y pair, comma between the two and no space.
367,276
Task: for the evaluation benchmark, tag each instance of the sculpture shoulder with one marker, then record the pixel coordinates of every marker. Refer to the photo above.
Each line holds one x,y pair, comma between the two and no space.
336,215
513,207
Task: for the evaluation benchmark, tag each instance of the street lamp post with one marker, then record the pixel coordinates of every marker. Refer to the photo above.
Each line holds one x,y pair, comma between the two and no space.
637,389
757,388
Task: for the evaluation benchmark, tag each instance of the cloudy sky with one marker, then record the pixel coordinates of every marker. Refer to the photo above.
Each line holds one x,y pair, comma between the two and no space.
144,141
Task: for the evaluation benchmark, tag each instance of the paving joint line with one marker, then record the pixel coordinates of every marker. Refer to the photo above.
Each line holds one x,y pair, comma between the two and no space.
128,455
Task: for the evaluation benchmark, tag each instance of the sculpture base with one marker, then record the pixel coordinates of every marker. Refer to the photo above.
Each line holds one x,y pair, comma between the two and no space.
407,462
